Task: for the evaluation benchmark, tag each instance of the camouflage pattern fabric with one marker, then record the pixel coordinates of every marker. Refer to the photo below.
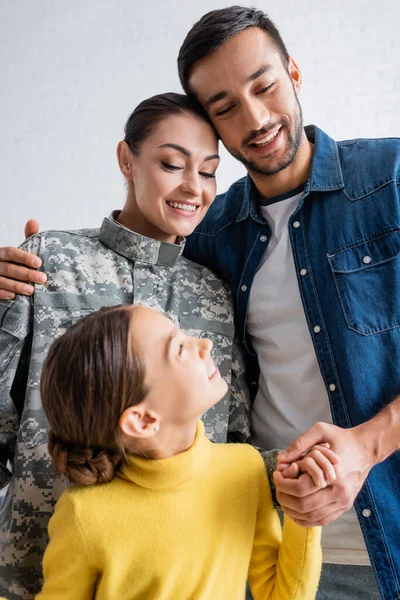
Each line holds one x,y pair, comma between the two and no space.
87,270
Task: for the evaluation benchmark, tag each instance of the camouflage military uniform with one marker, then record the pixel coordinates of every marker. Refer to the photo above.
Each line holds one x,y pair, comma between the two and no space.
86,270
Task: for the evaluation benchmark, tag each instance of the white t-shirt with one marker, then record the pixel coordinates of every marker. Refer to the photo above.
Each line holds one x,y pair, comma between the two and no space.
292,395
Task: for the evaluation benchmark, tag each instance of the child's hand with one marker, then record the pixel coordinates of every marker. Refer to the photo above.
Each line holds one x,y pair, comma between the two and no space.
318,463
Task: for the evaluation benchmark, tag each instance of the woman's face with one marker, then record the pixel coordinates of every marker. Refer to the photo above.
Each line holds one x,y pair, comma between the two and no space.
181,376
173,177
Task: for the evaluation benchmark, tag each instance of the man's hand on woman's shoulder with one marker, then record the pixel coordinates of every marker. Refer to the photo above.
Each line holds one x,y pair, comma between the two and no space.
17,268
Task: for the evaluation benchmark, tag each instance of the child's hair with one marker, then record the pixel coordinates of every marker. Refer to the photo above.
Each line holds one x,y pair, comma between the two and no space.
91,375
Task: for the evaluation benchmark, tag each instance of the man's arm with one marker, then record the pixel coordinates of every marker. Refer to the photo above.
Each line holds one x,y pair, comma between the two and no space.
17,267
360,448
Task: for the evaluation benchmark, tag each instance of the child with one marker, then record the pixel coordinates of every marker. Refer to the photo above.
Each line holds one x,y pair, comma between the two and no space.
177,517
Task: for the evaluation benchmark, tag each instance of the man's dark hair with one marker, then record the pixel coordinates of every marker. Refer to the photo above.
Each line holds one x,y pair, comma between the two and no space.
214,29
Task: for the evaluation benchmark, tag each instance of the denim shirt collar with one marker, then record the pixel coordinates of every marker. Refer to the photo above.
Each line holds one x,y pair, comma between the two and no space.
138,247
325,175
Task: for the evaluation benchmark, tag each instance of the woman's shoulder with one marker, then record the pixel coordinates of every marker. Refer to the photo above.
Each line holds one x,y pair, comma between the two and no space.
203,275
57,239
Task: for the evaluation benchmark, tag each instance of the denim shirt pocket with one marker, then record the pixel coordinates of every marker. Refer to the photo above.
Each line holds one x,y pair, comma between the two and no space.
367,279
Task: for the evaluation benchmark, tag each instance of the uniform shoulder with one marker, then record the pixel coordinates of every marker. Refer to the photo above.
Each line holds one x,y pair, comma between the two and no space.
60,239
203,275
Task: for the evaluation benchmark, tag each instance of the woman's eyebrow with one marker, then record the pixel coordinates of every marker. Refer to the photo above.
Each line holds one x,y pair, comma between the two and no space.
181,149
187,152
170,340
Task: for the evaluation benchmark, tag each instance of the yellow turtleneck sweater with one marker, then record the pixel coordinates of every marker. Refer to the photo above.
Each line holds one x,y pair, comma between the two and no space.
191,527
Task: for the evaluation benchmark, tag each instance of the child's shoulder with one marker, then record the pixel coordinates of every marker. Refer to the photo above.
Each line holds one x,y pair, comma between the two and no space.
76,498
241,455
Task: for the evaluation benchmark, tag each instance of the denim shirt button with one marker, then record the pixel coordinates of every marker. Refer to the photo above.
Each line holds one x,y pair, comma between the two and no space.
303,272
367,260
243,288
317,329
296,224
263,238
366,512
332,387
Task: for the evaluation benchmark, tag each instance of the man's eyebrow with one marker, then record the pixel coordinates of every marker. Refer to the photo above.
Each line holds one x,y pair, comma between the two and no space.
216,98
223,94
263,69
186,152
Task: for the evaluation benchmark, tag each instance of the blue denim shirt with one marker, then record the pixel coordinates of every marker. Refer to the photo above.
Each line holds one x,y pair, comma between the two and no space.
345,237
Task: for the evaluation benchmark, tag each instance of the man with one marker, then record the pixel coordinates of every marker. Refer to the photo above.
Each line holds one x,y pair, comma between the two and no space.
309,242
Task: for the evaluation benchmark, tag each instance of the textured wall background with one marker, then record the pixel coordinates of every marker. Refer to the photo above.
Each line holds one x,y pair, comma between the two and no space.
71,72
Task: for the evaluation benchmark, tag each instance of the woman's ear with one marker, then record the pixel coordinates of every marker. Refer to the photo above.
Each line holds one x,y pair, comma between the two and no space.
139,422
124,156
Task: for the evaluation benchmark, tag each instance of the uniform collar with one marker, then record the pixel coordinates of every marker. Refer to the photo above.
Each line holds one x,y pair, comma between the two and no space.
325,175
138,247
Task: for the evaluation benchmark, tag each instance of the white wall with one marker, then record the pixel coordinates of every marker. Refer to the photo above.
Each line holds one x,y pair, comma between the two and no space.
71,73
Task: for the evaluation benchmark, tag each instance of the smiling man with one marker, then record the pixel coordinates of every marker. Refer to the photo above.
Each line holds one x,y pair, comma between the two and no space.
309,241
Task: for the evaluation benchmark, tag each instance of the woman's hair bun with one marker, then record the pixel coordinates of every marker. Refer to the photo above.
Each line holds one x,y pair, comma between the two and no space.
81,464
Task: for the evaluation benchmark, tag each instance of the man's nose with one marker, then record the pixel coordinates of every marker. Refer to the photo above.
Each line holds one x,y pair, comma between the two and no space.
255,115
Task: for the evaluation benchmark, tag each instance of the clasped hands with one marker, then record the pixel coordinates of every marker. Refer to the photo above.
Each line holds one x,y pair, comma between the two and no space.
320,474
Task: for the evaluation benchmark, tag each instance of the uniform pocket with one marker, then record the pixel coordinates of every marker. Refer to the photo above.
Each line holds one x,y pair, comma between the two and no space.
367,279
54,321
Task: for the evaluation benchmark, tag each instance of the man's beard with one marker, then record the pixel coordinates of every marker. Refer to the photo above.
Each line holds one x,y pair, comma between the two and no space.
293,145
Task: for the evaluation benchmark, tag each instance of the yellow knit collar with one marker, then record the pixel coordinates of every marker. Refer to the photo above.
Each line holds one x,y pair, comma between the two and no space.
173,471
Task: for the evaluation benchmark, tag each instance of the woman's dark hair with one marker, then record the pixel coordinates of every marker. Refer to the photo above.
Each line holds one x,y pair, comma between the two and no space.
214,29
91,375
149,113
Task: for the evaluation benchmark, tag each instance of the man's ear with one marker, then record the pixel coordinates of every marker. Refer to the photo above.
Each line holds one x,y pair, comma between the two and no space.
139,422
295,74
124,156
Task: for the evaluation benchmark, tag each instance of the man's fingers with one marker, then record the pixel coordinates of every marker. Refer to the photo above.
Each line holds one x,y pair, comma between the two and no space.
8,286
12,271
16,255
317,519
303,507
4,295
295,450
31,227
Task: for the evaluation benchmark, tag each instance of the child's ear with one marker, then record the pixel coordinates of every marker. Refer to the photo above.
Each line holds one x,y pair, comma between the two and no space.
139,422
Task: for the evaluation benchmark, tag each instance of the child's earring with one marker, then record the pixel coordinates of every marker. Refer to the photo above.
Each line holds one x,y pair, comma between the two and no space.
156,428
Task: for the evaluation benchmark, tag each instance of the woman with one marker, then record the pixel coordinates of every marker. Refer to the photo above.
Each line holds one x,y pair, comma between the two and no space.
179,517
169,157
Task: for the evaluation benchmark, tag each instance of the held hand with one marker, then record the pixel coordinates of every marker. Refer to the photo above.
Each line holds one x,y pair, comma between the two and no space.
301,499
319,463
11,274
